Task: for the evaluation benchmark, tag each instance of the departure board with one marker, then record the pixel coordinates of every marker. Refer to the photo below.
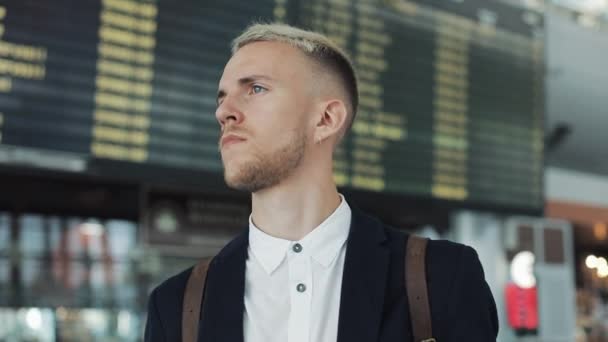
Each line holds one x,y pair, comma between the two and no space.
451,92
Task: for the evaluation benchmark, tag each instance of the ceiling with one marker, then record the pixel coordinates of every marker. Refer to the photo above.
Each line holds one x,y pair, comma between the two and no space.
577,94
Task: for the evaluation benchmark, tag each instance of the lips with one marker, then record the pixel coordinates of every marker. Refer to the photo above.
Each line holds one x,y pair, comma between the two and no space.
230,139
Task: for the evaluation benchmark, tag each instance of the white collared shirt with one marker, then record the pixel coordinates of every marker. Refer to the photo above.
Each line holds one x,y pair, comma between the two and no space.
292,294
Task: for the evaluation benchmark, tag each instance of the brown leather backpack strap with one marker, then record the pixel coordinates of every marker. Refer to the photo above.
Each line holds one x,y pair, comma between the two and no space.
416,287
191,312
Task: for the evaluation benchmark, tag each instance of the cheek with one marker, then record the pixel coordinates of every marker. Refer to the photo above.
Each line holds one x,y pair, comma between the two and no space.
287,133
278,119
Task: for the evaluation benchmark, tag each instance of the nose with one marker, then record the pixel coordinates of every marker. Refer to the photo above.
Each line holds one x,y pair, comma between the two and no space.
228,112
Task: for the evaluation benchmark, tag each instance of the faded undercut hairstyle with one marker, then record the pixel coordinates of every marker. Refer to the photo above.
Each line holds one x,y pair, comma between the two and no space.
315,45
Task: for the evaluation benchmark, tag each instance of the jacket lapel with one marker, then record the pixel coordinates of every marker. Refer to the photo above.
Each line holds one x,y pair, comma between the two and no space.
364,280
224,295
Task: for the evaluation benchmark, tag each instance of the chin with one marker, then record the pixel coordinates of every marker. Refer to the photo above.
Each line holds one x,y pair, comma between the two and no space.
231,179
235,179
247,180
240,185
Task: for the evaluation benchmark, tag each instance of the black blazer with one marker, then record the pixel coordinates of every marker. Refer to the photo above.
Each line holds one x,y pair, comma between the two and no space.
373,305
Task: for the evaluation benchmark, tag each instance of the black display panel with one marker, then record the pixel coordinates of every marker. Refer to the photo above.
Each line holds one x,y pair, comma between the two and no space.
451,106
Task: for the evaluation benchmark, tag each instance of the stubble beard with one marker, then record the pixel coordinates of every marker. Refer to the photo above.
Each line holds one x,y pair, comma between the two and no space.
269,169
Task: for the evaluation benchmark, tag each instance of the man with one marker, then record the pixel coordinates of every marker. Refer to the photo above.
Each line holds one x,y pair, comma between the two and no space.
310,267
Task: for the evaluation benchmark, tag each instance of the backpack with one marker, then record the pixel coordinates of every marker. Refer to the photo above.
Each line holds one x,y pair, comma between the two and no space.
415,283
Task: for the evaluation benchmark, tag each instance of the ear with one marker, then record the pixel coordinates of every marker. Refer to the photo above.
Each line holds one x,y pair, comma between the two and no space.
332,121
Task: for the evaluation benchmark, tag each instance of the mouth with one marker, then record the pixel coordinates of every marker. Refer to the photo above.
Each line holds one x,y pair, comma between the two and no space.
230,140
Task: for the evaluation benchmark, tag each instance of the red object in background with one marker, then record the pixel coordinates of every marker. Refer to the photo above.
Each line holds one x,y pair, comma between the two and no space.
522,307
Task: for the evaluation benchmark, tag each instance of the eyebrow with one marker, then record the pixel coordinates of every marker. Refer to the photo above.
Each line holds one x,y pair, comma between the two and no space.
243,81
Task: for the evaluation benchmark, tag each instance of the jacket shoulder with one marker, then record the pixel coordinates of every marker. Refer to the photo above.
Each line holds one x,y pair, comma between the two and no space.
165,306
439,254
174,284
443,262
458,291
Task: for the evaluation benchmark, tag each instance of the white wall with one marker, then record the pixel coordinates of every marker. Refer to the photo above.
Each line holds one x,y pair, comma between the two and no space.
576,89
575,186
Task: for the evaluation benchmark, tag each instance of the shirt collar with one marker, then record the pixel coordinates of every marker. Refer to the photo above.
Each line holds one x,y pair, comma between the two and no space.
322,244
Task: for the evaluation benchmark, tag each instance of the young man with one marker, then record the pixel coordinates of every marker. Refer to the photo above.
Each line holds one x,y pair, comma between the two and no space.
310,268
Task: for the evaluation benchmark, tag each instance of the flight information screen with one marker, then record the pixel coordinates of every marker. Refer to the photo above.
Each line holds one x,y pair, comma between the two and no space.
451,104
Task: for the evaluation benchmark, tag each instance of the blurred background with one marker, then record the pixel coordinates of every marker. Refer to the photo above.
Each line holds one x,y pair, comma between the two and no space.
483,122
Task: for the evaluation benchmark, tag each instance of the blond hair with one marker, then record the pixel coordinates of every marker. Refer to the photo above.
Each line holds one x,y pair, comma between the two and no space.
316,46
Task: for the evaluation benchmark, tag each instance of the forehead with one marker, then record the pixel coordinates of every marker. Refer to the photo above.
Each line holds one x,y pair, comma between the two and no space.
274,59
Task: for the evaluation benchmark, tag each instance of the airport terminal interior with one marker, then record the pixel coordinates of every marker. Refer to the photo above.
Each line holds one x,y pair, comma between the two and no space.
480,121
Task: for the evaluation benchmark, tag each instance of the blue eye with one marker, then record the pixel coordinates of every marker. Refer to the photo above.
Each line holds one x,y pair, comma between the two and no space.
256,89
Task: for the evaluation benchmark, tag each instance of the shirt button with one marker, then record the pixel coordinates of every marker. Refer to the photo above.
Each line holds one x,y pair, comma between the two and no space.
301,287
297,248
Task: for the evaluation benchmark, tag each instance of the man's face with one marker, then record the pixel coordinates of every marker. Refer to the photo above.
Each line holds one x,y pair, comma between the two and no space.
265,100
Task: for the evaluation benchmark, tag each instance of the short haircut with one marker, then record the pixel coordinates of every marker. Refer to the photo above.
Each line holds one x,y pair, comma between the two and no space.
315,45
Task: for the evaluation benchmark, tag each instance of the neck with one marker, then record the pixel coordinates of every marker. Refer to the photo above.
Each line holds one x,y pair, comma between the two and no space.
293,208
